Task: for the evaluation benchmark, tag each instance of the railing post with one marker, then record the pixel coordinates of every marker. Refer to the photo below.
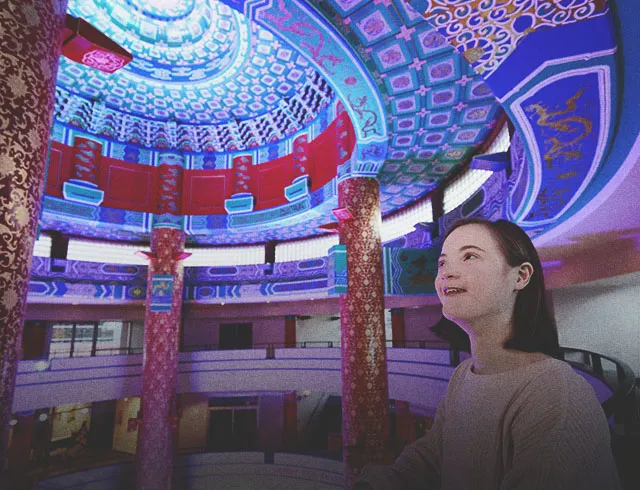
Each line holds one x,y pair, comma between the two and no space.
73,340
271,351
454,357
596,362
620,374
94,340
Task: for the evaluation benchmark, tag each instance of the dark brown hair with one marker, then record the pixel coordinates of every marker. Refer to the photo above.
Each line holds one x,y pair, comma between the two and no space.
534,328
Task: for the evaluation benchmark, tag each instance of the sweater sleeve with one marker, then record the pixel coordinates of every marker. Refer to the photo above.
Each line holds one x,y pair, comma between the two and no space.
559,437
417,467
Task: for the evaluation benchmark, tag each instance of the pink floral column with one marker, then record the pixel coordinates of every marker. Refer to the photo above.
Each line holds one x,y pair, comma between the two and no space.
30,45
365,394
154,457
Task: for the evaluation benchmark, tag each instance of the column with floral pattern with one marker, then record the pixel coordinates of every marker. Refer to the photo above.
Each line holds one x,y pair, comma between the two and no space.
365,394
30,45
157,418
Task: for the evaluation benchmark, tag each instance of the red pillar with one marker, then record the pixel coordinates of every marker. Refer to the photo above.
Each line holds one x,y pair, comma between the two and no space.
154,456
365,395
290,421
30,45
290,331
19,453
397,327
34,340
271,422
405,431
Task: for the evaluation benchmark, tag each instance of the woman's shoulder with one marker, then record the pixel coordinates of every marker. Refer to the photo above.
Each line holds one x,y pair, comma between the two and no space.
553,379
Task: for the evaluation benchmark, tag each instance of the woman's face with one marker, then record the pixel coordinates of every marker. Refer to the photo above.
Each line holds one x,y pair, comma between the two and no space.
474,280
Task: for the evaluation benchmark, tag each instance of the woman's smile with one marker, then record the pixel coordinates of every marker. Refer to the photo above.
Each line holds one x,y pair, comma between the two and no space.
453,291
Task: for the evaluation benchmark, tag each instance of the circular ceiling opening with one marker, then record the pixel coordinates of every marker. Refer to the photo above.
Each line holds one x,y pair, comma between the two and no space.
163,9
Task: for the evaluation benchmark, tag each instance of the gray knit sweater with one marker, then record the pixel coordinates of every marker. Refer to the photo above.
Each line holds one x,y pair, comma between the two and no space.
537,427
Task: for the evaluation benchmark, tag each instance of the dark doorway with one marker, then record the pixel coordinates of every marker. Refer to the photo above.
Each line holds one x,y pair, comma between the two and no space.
34,340
103,415
245,429
220,437
235,336
233,430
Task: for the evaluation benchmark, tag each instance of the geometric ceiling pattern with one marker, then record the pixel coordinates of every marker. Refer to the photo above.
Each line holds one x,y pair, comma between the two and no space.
206,63
207,78
196,64
487,32
439,112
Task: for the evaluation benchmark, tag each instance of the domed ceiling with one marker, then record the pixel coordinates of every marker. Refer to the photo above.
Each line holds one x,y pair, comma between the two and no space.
195,62
201,64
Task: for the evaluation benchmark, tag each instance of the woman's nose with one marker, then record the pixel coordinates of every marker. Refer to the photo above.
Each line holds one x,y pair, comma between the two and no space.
448,273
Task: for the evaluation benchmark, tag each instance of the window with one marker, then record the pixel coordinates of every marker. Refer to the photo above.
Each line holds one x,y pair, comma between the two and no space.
108,337
236,336
83,340
61,340
112,338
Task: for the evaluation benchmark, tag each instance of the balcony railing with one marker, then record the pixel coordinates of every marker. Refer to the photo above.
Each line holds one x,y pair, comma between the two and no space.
620,378
612,373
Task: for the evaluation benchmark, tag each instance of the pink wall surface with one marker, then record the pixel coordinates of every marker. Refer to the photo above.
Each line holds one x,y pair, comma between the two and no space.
418,320
200,331
203,331
267,330
201,322
66,312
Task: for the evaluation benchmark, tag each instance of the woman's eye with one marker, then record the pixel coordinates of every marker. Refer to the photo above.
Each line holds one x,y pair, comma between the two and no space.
440,263
468,256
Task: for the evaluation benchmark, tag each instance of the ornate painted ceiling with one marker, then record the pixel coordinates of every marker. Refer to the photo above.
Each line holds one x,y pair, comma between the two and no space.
208,78
199,63
555,70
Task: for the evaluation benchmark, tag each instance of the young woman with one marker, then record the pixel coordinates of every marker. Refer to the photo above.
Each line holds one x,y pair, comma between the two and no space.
514,416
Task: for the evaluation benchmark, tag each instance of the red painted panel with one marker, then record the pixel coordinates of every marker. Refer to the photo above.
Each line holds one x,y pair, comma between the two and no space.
134,186
204,191
128,185
59,168
323,152
272,178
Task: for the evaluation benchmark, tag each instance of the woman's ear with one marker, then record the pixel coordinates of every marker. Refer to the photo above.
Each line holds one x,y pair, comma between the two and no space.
525,272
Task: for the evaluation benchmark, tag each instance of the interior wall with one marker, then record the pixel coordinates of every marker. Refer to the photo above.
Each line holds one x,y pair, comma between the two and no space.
418,320
68,419
192,434
267,330
602,316
200,331
318,328
271,421
123,440
310,403
201,321
69,312
204,331
326,328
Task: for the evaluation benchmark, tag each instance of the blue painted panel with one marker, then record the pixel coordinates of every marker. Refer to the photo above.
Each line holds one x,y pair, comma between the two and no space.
338,276
161,292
